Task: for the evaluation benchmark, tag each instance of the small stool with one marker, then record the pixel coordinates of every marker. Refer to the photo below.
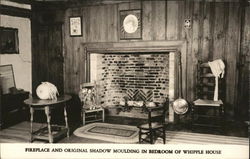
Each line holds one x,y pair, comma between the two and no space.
93,115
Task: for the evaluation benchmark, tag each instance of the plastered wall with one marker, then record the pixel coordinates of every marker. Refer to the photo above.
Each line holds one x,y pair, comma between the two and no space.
21,62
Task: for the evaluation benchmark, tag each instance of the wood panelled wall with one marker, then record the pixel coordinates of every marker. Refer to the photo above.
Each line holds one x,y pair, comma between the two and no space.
216,32
47,50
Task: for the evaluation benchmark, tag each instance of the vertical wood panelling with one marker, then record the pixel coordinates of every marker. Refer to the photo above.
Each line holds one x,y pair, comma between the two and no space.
225,28
76,51
102,24
86,23
67,54
108,33
200,27
159,20
206,40
73,51
147,33
189,33
55,57
81,55
47,54
42,33
181,35
244,61
232,56
135,5
195,47
94,24
211,27
123,6
42,55
219,32
214,34
172,20
112,23
76,63
181,17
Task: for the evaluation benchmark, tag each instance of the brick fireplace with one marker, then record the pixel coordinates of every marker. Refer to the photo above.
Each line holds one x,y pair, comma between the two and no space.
117,73
146,66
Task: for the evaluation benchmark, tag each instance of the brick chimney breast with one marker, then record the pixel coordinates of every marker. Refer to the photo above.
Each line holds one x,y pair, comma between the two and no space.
116,73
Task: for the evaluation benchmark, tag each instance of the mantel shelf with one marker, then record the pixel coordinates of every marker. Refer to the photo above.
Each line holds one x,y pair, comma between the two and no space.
135,46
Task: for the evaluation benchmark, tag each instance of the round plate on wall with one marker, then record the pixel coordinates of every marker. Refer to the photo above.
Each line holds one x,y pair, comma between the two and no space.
130,23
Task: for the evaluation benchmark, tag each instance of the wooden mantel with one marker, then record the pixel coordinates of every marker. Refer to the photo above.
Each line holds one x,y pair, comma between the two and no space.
171,47
135,46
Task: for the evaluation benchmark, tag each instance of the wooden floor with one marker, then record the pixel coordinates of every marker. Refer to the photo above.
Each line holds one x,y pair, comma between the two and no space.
20,134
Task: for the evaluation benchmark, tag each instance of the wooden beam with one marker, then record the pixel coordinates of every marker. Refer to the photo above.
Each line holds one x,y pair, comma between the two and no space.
13,11
22,1
53,5
83,3
138,46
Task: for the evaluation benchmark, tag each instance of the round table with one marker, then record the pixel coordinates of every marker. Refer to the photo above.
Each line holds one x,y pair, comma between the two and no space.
47,105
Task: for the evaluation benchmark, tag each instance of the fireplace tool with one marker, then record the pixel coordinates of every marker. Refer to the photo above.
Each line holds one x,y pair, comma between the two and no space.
180,105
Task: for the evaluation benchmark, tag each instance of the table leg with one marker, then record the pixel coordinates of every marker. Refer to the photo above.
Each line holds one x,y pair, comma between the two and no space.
31,123
103,115
47,112
66,119
83,117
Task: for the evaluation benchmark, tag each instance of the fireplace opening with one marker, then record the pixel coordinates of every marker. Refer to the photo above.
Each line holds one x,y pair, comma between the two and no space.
116,74
146,65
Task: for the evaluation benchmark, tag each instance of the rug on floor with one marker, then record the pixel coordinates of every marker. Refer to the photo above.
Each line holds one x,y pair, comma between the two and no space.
109,132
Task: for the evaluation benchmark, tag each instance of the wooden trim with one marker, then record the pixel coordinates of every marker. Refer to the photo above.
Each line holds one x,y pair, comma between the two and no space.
45,5
88,66
135,46
13,11
22,1
87,3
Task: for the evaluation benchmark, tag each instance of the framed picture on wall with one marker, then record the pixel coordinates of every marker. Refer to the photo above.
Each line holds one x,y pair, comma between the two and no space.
130,24
9,41
75,26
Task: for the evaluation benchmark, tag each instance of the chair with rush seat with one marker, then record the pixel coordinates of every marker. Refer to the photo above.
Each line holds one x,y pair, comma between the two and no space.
208,109
155,126
91,111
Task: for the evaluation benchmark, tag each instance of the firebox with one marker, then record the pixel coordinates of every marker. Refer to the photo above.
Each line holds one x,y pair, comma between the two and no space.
120,73
148,67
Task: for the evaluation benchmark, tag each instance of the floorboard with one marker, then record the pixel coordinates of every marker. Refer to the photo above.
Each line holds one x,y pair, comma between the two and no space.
20,134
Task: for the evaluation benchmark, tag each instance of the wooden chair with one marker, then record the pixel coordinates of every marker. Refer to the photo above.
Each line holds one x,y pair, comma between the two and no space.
155,126
91,111
205,111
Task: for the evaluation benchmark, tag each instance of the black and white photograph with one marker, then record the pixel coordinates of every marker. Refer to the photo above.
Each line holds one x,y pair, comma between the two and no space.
124,79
